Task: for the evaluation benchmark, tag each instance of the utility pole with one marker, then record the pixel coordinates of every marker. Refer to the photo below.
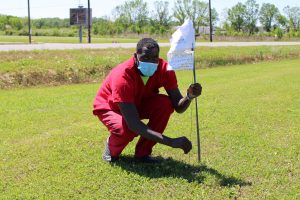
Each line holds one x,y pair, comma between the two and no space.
29,25
89,22
210,23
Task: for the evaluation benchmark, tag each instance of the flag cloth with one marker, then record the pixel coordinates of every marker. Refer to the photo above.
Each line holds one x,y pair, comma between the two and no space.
181,54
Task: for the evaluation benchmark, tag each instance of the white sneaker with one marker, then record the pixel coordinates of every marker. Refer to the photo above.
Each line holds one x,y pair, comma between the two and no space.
106,154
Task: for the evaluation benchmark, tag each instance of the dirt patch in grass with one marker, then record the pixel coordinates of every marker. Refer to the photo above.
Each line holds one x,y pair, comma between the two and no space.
52,77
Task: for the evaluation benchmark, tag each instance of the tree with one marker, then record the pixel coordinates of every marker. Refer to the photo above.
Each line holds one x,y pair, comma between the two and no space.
201,14
268,14
161,14
214,16
237,17
50,22
196,10
2,22
101,26
180,10
293,17
132,15
251,15
282,22
160,21
39,23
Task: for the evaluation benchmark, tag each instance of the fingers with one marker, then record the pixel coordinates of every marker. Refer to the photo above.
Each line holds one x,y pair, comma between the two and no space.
182,143
187,146
195,90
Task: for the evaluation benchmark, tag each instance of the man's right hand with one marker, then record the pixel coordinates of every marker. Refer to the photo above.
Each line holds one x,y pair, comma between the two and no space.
182,143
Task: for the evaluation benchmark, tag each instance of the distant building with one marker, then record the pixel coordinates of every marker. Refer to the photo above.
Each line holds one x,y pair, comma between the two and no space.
260,29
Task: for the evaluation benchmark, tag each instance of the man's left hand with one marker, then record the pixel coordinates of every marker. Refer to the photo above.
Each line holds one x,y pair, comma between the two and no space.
194,90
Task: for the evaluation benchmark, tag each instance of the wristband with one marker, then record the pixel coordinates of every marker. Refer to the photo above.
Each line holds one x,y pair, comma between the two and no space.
189,98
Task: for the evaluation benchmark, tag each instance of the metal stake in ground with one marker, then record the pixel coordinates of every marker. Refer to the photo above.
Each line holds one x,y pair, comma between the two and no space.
196,108
181,56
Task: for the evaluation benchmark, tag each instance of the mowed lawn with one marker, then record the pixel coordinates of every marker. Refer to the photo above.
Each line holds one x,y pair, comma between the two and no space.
51,145
52,39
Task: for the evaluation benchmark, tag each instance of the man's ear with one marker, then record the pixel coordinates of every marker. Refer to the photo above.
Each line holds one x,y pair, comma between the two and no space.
136,61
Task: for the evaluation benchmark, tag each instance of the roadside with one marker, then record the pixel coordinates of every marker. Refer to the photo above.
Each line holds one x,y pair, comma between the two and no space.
57,67
62,46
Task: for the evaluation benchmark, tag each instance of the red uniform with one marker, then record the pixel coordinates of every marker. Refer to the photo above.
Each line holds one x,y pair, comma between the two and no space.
124,84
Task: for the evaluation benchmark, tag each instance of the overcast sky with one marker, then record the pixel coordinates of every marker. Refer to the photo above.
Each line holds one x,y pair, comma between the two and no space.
60,8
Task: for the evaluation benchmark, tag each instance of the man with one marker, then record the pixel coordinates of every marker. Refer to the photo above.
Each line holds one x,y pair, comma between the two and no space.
130,93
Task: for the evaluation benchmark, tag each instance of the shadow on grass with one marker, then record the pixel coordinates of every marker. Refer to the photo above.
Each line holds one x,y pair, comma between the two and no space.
177,169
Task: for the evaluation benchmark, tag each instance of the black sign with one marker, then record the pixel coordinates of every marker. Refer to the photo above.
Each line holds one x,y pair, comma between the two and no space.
79,16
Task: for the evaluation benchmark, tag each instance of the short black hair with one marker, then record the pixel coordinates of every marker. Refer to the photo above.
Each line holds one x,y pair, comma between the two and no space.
146,42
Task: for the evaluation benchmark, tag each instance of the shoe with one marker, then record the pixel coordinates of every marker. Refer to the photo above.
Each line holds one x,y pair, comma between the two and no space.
147,159
106,154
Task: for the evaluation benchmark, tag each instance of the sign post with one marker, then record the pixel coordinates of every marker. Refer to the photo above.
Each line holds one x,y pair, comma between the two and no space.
80,33
81,16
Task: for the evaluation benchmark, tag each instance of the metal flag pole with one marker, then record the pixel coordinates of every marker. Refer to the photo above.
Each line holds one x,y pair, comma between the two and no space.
184,39
196,105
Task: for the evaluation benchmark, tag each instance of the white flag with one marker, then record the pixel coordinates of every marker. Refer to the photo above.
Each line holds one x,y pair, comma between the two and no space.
180,55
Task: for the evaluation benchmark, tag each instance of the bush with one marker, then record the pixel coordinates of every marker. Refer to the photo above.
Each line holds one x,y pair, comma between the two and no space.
297,34
55,32
219,32
9,32
23,32
71,34
278,33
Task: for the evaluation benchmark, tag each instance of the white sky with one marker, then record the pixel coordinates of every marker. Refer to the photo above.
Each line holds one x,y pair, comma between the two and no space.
60,8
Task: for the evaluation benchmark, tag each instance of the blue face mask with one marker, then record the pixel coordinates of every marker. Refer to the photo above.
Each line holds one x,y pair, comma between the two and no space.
147,68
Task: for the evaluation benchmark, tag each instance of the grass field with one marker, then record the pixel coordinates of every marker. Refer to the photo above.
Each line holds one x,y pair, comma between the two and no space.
51,145
5,39
29,68
51,39
88,58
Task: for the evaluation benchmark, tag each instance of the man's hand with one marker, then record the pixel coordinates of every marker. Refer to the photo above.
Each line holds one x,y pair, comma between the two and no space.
194,90
182,143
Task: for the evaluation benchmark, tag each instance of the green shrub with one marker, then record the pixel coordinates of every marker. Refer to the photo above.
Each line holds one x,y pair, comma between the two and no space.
278,33
9,32
55,32
23,32
71,34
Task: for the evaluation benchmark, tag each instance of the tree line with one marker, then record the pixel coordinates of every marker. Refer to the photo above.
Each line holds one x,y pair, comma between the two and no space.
134,16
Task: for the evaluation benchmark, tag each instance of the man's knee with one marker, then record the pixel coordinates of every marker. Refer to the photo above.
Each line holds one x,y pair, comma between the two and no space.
117,126
122,130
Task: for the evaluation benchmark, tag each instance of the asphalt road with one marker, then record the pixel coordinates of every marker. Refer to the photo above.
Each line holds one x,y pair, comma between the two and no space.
53,46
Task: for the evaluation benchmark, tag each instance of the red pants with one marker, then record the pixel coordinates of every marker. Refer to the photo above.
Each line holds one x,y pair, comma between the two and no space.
157,109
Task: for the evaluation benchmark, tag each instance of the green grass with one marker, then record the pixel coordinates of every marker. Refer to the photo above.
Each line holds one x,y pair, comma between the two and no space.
51,145
205,57
131,38
29,68
51,39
